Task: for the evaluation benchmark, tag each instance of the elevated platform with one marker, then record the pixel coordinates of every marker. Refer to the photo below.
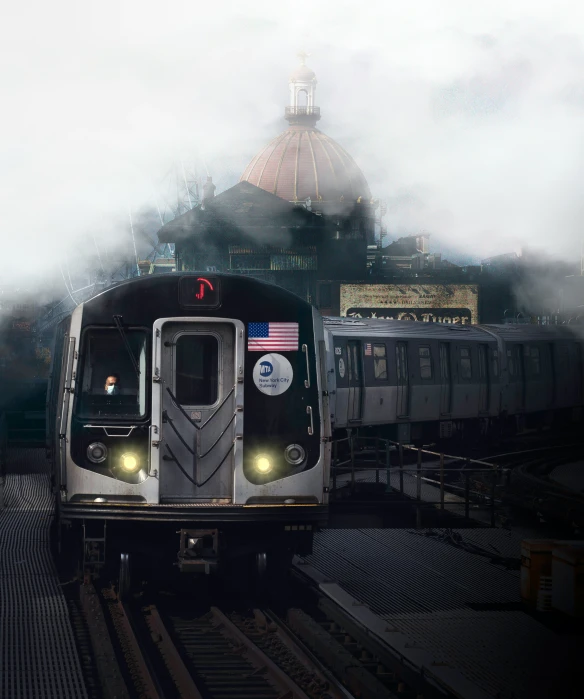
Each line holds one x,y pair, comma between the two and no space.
38,656
448,602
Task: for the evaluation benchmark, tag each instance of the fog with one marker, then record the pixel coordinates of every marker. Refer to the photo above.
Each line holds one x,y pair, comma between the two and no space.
466,118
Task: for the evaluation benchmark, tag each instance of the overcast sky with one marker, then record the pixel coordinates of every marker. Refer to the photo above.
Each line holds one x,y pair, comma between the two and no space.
466,117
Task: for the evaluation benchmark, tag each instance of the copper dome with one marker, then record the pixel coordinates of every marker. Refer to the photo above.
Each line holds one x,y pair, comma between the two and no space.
303,162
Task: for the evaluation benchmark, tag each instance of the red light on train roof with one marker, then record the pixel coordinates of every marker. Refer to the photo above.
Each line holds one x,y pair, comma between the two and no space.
199,292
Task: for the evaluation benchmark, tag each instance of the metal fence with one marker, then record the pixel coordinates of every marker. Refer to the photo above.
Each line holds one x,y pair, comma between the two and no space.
355,454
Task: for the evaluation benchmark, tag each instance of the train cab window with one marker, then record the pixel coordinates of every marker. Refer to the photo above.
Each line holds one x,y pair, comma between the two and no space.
425,363
112,373
197,369
465,364
380,362
535,365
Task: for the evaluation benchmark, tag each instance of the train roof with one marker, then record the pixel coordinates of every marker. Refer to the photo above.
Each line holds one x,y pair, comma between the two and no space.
164,283
535,333
373,327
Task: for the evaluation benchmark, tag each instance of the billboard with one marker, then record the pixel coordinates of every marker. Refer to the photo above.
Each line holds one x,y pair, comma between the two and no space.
430,303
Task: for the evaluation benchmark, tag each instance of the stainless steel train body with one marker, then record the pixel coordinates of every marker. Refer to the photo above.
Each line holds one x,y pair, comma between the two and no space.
216,428
432,380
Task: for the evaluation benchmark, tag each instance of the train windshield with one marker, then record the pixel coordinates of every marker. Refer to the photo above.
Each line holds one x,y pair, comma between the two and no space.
113,374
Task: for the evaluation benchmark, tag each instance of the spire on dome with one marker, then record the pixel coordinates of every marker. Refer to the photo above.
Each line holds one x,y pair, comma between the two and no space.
302,55
301,110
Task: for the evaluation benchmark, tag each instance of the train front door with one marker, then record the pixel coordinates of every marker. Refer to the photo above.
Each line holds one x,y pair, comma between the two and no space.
403,383
355,372
195,396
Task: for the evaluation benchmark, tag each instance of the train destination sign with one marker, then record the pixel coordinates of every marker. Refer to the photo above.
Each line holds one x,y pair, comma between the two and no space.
199,292
430,303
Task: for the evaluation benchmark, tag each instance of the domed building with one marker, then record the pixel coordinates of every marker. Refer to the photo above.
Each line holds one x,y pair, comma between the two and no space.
301,215
304,165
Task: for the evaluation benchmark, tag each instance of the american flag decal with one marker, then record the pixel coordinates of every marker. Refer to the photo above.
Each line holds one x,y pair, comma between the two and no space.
367,349
272,337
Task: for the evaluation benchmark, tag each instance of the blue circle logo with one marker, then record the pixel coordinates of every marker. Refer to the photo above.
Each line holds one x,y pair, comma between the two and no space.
266,368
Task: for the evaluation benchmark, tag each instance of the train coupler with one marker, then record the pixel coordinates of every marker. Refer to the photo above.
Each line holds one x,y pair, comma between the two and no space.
198,550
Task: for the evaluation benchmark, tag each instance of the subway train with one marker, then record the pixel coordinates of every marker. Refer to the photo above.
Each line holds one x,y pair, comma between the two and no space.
190,417
187,415
419,382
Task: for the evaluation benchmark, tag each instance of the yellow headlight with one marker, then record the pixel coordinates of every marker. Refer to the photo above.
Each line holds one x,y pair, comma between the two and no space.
263,464
130,462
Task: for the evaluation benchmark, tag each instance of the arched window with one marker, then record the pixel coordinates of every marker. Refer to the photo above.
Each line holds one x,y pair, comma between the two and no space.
302,98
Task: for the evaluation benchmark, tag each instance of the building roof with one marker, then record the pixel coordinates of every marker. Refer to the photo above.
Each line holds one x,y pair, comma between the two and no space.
303,162
244,215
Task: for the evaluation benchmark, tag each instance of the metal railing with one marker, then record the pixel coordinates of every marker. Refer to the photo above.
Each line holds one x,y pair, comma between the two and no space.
363,454
302,111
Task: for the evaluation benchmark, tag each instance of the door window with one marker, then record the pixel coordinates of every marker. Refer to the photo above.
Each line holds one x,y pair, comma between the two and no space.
444,362
425,362
402,363
197,369
510,363
483,363
353,355
535,366
465,365
495,363
380,362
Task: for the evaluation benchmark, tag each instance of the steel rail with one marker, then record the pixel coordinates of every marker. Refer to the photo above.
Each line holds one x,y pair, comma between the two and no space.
174,663
138,666
300,650
219,659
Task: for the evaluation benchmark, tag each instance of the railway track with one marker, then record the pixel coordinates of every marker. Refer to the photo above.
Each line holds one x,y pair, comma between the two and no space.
312,650
157,653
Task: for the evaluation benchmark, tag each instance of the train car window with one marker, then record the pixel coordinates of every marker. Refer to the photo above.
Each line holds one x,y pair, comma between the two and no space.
425,363
535,364
380,362
110,384
197,369
495,363
465,363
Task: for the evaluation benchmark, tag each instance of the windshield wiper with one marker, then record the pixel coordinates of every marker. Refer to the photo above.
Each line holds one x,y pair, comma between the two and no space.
119,326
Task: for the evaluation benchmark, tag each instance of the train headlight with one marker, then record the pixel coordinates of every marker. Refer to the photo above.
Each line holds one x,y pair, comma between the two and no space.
262,464
294,454
130,463
97,452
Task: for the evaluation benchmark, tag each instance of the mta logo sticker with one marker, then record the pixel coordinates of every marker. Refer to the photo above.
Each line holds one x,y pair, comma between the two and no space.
273,374
266,368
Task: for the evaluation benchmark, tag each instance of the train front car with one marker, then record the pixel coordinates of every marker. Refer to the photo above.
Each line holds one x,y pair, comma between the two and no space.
192,422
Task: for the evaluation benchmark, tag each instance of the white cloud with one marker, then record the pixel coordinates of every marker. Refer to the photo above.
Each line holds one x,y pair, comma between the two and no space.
467,118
